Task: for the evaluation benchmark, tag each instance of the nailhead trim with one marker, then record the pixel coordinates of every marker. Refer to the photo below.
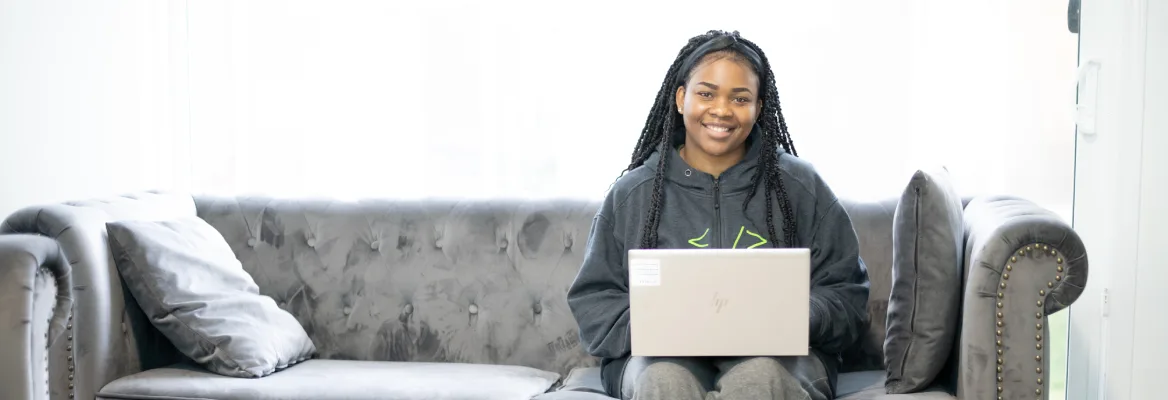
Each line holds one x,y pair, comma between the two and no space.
1038,250
69,348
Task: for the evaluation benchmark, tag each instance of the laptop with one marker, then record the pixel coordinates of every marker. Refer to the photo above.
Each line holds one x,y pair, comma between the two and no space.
719,302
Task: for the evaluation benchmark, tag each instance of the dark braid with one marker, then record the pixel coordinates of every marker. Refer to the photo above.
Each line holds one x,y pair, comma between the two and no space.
773,121
662,120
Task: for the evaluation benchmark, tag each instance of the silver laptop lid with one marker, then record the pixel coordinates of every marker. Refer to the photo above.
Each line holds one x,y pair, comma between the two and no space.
719,302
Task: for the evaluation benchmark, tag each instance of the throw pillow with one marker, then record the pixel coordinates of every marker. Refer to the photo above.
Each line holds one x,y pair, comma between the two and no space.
925,301
187,280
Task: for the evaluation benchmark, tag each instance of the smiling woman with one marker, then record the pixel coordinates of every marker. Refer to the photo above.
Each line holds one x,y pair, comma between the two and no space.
718,111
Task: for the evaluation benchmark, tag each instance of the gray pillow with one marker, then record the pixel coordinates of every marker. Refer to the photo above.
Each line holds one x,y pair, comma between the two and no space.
187,280
924,305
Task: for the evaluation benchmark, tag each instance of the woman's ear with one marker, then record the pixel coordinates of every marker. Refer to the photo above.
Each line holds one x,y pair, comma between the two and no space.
679,97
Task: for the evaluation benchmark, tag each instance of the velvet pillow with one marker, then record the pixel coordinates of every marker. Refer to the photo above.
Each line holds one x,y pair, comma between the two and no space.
187,280
924,305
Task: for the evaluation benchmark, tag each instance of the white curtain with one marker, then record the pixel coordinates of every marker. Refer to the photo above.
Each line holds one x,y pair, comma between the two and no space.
354,99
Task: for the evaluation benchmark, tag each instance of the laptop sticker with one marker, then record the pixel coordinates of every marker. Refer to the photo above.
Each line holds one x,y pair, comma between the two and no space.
645,273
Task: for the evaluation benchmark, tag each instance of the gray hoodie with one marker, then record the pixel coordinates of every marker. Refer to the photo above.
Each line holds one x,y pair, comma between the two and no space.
703,211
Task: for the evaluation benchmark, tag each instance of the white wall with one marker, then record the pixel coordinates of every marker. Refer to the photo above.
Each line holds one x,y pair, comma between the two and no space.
1117,349
516,98
89,99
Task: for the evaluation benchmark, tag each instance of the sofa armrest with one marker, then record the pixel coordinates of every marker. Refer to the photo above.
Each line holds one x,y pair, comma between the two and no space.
1022,263
36,294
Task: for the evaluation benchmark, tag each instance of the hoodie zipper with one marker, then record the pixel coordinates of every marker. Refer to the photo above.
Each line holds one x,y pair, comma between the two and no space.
717,214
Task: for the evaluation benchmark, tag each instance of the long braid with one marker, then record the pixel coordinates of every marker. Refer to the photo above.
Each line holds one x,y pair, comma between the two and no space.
661,122
775,127
649,238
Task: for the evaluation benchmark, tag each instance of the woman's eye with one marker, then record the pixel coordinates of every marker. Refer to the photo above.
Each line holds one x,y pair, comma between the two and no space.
706,94
743,100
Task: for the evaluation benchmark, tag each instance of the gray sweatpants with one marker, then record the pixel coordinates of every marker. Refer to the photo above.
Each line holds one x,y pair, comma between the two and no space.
725,378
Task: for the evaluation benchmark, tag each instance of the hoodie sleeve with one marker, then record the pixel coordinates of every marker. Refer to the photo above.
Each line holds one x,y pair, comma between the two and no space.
599,296
839,282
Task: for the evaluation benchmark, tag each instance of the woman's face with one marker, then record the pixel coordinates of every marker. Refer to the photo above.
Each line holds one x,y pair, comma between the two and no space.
719,104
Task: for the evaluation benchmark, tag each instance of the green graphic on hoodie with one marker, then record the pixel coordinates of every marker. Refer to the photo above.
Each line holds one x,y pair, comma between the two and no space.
696,242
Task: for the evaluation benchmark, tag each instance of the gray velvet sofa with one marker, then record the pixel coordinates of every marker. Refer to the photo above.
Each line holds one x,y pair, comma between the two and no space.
455,299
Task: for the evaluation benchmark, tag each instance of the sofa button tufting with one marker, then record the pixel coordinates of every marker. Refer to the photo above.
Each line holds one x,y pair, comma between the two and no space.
347,310
311,242
538,308
251,242
474,309
375,245
408,309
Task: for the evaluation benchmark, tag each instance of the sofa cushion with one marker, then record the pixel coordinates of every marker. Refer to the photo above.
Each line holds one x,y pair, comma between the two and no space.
869,385
584,379
925,302
186,279
339,379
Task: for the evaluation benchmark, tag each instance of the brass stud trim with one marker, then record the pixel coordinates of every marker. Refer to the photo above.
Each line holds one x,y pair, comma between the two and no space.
999,324
1009,268
1000,295
1060,268
1005,276
1060,260
1000,352
999,332
1038,326
1038,303
999,304
999,314
1038,358
1050,284
1058,277
1038,337
1042,292
1013,259
1038,315
1002,285
1038,370
1038,346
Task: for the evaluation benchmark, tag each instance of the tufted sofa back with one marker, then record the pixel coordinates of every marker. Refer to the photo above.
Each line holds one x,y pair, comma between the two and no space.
478,282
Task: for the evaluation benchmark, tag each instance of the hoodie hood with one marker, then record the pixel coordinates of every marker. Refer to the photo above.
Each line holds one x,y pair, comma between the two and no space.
736,178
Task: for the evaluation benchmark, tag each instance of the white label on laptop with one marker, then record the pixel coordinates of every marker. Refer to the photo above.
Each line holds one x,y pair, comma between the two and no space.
645,273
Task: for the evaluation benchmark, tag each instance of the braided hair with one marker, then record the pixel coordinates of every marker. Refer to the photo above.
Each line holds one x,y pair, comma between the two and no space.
660,126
